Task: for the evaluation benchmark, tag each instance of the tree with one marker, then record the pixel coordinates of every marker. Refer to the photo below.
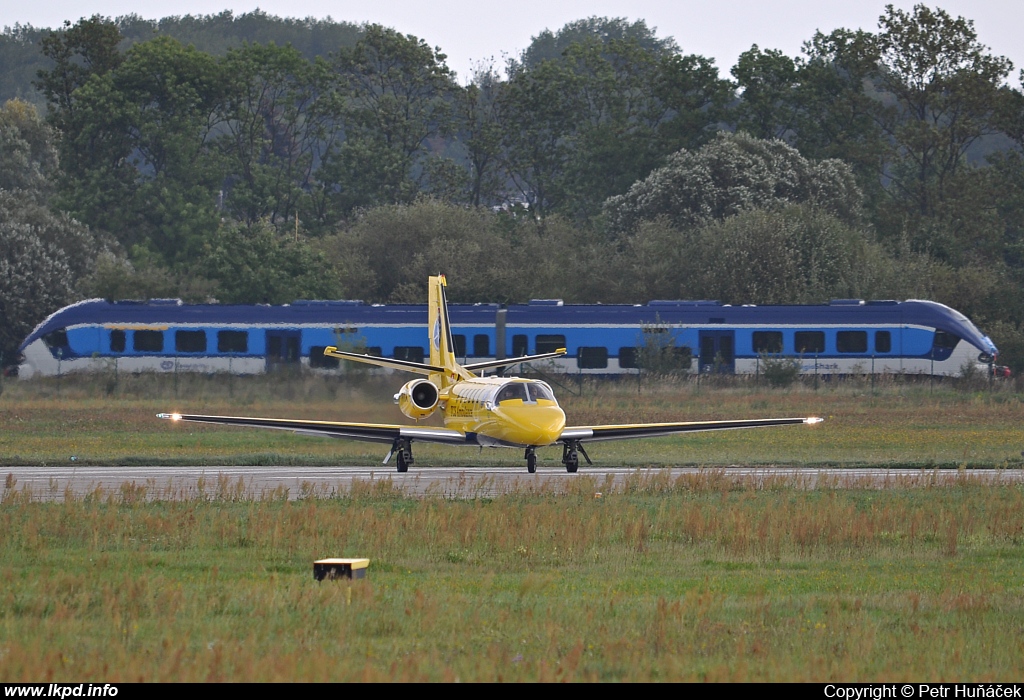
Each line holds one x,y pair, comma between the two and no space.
79,51
394,94
480,133
258,265
141,165
549,45
767,80
731,174
28,157
584,126
277,130
43,258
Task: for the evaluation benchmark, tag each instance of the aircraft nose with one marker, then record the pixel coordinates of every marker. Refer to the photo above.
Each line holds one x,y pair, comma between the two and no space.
532,425
550,424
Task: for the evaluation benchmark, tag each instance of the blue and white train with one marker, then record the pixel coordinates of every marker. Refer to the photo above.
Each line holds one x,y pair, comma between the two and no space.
845,336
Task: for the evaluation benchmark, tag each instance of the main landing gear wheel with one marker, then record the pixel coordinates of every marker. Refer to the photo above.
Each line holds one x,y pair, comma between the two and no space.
403,451
571,456
531,460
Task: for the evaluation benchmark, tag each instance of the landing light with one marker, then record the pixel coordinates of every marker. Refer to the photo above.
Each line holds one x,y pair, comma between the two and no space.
813,419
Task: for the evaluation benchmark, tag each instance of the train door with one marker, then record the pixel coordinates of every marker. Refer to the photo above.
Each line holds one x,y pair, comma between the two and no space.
282,349
718,351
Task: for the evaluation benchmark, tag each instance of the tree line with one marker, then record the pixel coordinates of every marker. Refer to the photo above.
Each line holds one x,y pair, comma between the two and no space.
602,164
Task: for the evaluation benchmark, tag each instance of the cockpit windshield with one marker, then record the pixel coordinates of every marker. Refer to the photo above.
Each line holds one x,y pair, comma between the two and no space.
527,392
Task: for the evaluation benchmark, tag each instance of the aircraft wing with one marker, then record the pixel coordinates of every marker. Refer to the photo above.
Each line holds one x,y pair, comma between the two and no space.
591,433
370,432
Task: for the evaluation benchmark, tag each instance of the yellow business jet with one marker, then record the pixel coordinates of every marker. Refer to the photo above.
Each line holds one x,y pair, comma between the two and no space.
483,411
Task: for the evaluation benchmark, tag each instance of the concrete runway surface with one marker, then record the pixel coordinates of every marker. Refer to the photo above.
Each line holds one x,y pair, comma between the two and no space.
55,483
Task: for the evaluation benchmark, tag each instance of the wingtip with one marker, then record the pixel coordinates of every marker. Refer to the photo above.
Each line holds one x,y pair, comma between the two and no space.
169,416
813,419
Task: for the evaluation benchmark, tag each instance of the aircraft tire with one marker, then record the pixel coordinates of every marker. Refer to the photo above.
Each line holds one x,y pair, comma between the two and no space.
572,462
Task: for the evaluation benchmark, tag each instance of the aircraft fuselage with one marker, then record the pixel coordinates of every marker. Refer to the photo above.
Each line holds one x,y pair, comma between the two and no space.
501,411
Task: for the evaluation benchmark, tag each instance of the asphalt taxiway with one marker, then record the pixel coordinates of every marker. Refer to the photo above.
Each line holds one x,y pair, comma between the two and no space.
55,483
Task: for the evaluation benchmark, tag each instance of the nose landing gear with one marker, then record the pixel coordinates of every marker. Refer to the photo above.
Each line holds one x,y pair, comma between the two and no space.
531,459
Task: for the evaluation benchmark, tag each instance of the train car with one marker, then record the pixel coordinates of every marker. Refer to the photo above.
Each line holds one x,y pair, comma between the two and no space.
842,337
845,336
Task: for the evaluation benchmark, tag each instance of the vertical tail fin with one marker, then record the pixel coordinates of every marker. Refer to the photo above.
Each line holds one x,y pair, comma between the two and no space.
442,347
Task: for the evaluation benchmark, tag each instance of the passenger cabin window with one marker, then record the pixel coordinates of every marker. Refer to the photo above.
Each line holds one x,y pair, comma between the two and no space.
460,345
481,346
117,341
232,341
592,358
318,360
190,341
768,341
883,341
550,343
409,353
852,341
809,342
520,346
627,358
148,341
374,350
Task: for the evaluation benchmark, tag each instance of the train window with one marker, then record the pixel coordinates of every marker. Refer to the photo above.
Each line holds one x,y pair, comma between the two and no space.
481,346
592,358
768,341
117,341
809,342
520,346
460,344
190,341
682,357
232,341
945,340
148,341
318,360
852,341
409,353
883,341
550,343
56,339
627,358
375,351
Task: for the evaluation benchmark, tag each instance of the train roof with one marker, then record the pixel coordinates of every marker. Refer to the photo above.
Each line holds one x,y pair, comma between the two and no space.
538,312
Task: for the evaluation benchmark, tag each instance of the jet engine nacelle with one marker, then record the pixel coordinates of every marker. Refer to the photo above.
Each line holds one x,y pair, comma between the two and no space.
417,399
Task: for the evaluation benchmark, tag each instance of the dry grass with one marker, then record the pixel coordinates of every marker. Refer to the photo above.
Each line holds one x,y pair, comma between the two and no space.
894,425
663,579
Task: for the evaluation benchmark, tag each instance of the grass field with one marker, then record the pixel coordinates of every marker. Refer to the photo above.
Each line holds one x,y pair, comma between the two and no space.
907,425
661,580
695,578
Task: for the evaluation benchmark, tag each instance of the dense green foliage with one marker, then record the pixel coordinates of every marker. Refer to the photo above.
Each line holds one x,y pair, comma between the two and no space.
252,158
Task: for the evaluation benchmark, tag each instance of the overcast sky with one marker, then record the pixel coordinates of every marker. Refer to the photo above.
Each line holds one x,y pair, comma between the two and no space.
469,31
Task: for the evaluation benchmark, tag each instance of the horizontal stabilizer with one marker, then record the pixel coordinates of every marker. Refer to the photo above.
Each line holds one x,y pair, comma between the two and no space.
514,360
389,362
